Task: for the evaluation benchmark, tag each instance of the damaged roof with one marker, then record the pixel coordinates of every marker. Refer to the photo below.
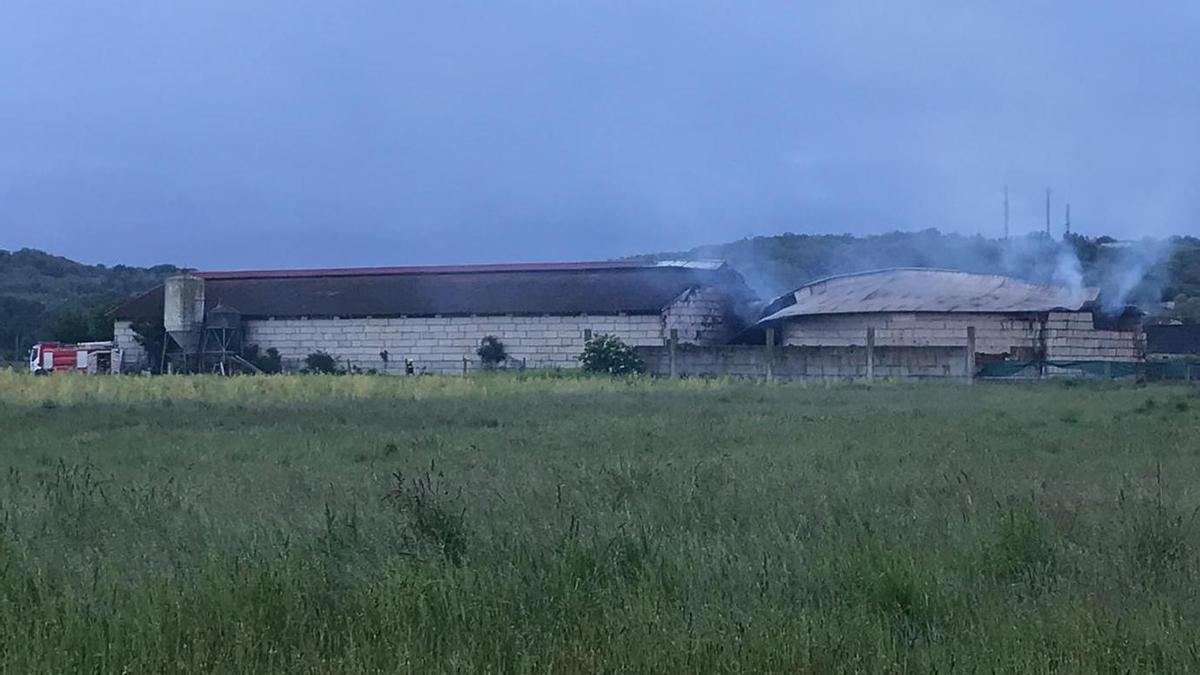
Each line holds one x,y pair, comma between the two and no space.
539,288
926,290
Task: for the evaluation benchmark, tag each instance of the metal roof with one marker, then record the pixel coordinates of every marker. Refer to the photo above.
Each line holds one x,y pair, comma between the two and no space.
543,288
925,290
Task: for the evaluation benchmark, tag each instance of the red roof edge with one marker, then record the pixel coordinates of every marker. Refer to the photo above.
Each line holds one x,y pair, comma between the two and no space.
428,269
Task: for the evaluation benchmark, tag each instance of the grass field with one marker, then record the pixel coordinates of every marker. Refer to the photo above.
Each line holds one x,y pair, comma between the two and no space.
367,524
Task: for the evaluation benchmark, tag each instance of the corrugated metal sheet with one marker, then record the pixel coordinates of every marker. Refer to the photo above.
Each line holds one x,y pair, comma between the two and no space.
573,288
926,290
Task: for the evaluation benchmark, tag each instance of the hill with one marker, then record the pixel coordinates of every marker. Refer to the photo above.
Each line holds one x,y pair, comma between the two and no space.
43,296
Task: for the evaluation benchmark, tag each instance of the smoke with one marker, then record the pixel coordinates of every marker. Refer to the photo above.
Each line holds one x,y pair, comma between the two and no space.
1126,273
1132,273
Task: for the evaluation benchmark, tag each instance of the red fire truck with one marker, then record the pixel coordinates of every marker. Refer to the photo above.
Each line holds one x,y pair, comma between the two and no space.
84,357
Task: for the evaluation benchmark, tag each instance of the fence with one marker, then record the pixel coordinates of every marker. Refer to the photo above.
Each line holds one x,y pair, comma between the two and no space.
866,362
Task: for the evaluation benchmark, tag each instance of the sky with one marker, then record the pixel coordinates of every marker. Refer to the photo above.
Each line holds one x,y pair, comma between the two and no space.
226,134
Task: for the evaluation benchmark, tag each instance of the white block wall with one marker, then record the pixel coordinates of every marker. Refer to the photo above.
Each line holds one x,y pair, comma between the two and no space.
994,333
701,316
133,356
1069,336
439,344
1072,336
800,363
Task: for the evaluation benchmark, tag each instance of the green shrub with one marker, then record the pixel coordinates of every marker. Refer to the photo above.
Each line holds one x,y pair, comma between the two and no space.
609,354
491,352
321,362
268,362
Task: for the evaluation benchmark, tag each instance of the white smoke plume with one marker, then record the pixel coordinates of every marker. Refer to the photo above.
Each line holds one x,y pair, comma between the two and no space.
1127,273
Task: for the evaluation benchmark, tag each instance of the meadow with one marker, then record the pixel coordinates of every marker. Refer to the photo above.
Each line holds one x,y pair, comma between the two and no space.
566,524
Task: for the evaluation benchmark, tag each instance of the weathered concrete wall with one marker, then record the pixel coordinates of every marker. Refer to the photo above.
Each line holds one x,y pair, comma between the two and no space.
133,356
808,363
439,344
994,333
1065,335
1072,336
701,316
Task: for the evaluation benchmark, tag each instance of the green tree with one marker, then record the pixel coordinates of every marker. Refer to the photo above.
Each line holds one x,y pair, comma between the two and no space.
491,352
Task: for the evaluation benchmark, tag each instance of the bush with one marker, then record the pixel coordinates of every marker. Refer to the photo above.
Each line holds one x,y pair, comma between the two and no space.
491,351
321,362
609,354
268,362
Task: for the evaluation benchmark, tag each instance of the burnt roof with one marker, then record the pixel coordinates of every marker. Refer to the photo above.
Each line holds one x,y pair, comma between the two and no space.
1173,339
543,288
925,290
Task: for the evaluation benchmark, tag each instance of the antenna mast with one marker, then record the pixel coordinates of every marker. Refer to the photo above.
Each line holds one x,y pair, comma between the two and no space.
1048,212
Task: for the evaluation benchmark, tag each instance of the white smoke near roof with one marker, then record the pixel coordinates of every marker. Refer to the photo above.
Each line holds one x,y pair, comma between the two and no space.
1040,259
1126,273
1131,273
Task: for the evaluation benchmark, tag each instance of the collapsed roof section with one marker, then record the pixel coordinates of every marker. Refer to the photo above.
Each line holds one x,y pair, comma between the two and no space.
609,287
926,290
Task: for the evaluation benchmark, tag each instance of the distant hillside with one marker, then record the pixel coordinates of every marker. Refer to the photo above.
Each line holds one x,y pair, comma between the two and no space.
44,296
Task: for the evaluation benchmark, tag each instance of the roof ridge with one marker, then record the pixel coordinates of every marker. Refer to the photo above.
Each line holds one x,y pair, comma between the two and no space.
436,269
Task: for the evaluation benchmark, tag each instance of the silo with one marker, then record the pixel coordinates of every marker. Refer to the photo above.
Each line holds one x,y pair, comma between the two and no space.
183,310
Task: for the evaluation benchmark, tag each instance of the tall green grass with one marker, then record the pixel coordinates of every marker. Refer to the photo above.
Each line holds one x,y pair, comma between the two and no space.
500,524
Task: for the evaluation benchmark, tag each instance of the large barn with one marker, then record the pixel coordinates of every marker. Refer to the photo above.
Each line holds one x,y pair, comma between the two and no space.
920,321
435,317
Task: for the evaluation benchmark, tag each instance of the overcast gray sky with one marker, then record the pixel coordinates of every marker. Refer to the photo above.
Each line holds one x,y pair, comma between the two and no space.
256,133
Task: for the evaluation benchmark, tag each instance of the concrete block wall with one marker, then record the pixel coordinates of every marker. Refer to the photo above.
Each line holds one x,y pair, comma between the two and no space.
994,333
701,316
439,344
808,363
1072,336
133,356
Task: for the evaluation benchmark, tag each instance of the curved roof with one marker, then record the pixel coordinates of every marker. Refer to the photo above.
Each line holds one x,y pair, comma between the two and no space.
926,290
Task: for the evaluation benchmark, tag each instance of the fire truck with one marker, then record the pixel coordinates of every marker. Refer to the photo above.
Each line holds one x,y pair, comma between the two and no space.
84,357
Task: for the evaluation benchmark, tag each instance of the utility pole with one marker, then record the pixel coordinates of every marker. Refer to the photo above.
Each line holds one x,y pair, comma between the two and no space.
1068,219
1048,212
1005,213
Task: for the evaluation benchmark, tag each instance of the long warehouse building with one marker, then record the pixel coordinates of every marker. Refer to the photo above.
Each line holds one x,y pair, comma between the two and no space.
436,316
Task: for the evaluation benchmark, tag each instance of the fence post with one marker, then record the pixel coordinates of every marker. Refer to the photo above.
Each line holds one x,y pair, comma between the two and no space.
870,354
770,355
672,343
464,366
970,354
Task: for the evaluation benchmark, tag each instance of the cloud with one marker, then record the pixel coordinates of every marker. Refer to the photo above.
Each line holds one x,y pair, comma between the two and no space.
439,132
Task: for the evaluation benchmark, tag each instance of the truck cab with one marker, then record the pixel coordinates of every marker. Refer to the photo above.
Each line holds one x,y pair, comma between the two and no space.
41,358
